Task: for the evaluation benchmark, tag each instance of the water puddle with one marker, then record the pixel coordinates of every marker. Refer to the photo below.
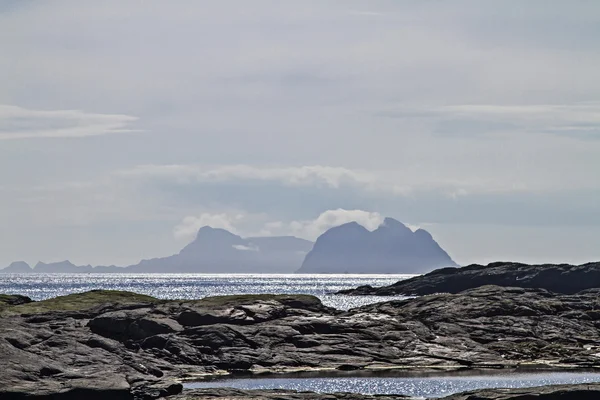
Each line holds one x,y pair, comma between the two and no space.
427,386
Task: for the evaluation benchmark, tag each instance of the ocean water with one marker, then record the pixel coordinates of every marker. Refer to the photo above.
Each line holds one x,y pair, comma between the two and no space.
414,386
196,286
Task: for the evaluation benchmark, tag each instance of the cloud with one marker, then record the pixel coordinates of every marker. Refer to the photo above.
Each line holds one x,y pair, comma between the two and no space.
293,176
22,123
189,226
241,247
578,120
237,222
461,178
311,229
304,176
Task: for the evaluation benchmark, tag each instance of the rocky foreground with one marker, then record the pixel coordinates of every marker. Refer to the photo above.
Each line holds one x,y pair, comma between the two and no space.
558,278
123,345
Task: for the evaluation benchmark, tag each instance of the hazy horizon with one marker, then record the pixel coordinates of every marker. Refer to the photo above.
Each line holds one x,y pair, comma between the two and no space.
126,126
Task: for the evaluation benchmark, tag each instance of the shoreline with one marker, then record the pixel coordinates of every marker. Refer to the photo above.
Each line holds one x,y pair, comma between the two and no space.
390,371
139,347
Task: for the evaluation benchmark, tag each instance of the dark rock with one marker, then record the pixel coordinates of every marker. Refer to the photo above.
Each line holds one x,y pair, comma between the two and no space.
558,392
140,353
156,390
49,371
132,324
13,300
561,278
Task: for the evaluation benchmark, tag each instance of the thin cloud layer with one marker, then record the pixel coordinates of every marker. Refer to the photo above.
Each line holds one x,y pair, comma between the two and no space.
293,176
22,123
577,121
311,229
452,181
307,229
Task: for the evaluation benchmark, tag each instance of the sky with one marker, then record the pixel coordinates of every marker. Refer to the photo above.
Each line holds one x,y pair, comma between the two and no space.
127,125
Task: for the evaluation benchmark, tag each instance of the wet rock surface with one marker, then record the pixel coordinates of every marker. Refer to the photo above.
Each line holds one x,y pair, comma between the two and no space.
139,347
558,278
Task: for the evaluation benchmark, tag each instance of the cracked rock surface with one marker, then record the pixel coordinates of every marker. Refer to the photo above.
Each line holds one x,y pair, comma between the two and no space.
123,345
558,278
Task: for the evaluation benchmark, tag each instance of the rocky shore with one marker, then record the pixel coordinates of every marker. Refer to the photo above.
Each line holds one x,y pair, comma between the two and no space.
558,278
123,345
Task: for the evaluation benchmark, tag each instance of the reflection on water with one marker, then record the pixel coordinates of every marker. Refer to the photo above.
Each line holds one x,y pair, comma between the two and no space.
418,386
197,286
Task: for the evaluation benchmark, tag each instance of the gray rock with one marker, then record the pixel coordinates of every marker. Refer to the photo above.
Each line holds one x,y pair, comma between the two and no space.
558,392
562,278
140,350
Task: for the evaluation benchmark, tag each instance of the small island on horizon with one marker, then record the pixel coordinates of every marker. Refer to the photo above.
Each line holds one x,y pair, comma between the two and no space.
392,248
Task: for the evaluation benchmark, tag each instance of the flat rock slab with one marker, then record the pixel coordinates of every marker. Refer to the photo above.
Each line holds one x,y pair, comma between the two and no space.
141,347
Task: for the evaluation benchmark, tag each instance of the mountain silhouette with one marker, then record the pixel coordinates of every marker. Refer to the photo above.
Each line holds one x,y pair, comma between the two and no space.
349,248
18,267
217,250
390,249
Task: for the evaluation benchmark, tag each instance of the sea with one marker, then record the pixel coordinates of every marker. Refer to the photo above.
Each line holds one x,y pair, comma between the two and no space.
416,386
196,286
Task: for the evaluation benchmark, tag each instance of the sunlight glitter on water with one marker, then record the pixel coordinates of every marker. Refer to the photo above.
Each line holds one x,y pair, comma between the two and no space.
196,286
421,387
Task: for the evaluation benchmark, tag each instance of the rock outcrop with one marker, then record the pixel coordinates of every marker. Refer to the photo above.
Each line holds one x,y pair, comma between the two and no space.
554,392
390,249
559,278
13,300
125,345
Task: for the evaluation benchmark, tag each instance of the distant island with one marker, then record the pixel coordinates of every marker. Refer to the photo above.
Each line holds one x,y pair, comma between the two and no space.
350,248
390,249
212,251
